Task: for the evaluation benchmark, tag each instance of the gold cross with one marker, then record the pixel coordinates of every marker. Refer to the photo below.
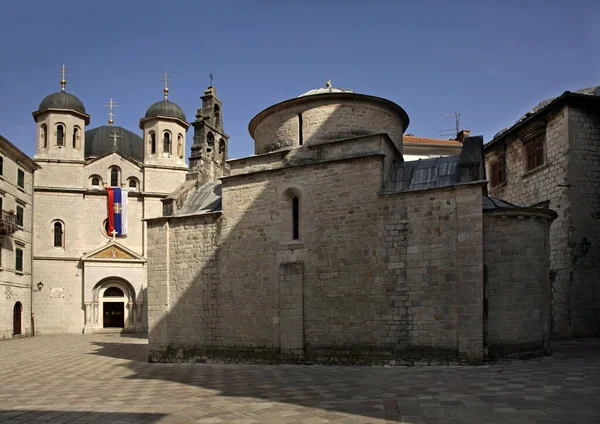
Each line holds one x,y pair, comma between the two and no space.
166,79
63,82
110,105
114,235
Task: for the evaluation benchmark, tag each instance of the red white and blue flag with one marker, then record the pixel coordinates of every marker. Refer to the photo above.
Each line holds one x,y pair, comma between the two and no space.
117,211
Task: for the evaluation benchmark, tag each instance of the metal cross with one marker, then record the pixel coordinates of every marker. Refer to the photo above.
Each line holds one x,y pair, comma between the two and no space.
115,136
63,70
114,234
211,79
110,105
166,79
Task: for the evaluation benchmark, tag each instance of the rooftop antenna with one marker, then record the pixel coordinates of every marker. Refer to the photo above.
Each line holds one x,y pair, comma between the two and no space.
452,132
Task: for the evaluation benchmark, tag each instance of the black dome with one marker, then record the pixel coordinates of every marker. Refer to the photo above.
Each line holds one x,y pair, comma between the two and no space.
62,100
165,108
99,142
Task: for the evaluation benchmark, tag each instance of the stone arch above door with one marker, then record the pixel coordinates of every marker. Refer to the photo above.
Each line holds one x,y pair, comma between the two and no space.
113,307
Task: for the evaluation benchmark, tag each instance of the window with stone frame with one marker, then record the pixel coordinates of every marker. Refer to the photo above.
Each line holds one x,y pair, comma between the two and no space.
497,174
533,147
19,259
21,178
20,211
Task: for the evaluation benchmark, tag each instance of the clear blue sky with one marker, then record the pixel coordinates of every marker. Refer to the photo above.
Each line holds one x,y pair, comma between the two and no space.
489,60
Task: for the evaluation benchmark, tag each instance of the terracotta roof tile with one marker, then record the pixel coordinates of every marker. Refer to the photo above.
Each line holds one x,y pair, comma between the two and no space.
411,139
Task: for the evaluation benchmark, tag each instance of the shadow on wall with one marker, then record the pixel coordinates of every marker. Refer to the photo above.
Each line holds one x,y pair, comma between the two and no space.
241,288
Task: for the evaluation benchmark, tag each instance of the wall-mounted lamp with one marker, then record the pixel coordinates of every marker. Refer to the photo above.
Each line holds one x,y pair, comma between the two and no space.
584,249
40,286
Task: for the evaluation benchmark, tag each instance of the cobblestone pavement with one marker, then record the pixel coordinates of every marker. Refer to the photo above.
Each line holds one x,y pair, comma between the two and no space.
106,379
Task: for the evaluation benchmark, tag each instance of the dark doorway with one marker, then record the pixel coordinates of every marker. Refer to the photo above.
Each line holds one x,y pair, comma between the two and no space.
17,310
114,314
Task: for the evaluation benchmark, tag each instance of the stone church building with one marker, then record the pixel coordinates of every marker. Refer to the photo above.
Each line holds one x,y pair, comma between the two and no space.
83,277
327,246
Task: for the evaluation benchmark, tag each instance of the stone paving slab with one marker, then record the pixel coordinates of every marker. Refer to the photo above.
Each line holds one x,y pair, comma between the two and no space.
105,378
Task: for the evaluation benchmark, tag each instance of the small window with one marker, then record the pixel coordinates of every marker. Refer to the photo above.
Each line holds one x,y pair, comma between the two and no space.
19,259
300,135
44,135
167,142
75,137
19,216
21,178
180,146
114,177
132,184
152,143
497,176
296,218
60,135
534,152
58,234
113,292
217,116
1,165
210,143
95,182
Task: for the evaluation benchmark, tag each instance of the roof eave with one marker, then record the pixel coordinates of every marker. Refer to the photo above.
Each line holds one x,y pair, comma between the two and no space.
183,123
82,115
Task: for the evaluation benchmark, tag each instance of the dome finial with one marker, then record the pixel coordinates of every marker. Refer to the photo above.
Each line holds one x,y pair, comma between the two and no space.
110,105
63,81
328,83
166,79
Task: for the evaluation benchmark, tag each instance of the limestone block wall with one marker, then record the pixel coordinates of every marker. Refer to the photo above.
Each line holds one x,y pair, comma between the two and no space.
9,296
548,186
372,279
319,119
584,182
516,246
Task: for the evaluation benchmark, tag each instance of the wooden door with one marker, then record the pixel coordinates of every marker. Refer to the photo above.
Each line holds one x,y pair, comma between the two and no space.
17,311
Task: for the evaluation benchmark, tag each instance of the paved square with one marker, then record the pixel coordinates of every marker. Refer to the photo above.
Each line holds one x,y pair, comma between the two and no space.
106,379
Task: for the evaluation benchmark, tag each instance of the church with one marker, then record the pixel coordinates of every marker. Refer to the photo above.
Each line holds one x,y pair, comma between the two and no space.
328,246
87,276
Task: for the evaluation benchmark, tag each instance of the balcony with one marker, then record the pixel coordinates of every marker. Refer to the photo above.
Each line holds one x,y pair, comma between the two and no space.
8,224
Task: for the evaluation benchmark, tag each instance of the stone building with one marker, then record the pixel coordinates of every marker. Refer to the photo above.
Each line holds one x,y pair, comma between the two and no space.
551,158
326,246
92,280
16,204
415,148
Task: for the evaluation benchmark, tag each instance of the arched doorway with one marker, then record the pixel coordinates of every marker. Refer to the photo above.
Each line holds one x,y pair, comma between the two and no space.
17,313
113,311
114,305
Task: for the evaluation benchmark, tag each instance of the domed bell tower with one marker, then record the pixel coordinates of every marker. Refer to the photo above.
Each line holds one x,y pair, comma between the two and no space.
61,120
164,127
209,151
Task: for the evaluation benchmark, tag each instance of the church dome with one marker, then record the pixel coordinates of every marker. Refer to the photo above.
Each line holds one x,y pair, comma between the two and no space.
99,141
165,108
326,90
62,100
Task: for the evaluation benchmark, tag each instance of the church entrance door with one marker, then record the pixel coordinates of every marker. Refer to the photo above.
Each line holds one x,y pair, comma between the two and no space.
114,315
17,318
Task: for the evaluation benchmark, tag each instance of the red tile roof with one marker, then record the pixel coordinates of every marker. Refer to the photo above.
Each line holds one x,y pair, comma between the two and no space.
425,140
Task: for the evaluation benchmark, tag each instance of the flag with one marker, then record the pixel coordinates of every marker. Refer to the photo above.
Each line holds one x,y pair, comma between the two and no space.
117,211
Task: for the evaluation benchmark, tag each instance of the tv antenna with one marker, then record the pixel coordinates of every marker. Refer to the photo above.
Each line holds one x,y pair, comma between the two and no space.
452,132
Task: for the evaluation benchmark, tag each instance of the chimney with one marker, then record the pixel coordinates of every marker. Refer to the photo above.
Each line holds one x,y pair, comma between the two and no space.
462,134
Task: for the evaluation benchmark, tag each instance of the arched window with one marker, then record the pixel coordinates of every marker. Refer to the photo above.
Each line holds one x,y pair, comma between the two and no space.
58,234
180,146
217,115
167,142
113,292
95,182
152,143
222,150
44,135
132,183
210,144
114,177
75,137
60,135
295,218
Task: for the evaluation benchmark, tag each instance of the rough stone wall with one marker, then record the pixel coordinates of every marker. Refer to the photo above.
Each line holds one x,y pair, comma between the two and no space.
383,279
545,185
327,120
584,182
517,287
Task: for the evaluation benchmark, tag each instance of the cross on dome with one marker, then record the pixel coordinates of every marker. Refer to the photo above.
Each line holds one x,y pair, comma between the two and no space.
110,105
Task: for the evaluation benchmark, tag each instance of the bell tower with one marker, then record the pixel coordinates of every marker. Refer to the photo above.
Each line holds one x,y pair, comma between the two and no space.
209,150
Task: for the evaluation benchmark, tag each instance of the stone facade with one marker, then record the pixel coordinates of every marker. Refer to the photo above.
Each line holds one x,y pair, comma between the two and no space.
93,281
16,196
312,257
567,182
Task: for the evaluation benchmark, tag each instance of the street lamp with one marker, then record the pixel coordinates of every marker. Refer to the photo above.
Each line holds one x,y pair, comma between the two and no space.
40,286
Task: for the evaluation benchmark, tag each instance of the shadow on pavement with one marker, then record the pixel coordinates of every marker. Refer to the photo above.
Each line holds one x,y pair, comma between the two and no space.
56,417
